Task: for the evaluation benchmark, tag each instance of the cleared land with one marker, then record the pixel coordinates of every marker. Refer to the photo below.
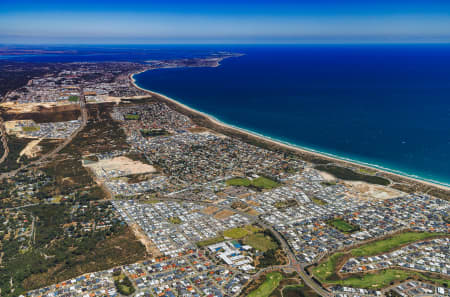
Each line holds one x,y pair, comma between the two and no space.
122,163
373,192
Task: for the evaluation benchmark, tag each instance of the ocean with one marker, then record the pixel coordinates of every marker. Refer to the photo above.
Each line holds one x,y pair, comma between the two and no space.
384,105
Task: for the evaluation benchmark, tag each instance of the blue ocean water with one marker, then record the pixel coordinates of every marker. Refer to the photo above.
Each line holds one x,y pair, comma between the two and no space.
387,105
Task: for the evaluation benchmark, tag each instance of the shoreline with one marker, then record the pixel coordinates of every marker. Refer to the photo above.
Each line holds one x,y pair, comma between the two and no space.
289,146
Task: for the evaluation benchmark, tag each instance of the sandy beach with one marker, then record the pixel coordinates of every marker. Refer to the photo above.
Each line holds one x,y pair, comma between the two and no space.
303,151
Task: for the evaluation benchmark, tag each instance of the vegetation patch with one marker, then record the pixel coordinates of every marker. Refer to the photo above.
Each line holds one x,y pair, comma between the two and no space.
264,183
286,204
258,183
15,145
375,281
319,201
31,128
342,225
153,132
327,270
298,290
238,181
132,117
74,98
210,241
384,278
391,243
268,286
123,285
54,256
175,220
260,241
236,233
348,174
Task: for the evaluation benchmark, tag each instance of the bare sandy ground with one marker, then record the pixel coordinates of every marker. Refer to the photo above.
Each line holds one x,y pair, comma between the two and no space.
31,149
326,176
223,214
12,128
150,247
373,192
117,100
122,163
210,210
14,107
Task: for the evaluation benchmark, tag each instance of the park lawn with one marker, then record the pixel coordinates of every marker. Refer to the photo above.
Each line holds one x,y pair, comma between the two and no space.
264,183
260,242
236,233
31,128
210,241
132,117
327,268
388,244
238,181
259,182
343,226
375,281
266,288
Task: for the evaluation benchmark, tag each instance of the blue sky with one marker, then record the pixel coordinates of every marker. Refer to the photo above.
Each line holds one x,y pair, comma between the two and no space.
232,21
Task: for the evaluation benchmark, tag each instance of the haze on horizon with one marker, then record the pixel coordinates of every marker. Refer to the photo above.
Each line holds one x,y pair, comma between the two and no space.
232,21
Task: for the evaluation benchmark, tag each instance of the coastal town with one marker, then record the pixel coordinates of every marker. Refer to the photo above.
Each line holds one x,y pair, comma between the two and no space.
110,190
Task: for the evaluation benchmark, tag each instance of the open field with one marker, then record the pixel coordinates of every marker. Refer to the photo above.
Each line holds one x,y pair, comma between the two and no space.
260,241
271,283
259,182
236,233
243,182
131,117
210,241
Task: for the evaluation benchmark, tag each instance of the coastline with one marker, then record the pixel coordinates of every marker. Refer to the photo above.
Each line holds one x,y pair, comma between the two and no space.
388,173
